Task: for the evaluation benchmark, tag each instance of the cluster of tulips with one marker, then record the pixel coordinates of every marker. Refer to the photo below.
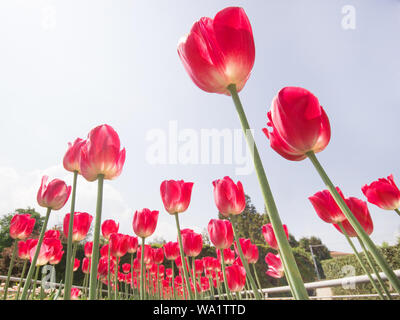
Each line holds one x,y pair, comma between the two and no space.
218,55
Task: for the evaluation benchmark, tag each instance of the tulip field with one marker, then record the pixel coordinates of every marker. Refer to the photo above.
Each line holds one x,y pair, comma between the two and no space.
218,54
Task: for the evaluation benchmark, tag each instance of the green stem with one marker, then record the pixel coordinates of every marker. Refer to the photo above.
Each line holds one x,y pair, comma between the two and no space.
69,264
35,282
372,265
10,268
73,263
116,279
257,279
245,264
173,278
193,277
108,271
360,261
292,270
397,211
96,239
212,290
355,224
35,257
228,292
132,274
22,277
185,272
142,270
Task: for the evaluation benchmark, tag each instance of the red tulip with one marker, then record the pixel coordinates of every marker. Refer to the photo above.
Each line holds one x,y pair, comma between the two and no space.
148,254
219,52
23,250
360,211
269,235
253,254
56,259
77,263
326,206
132,244
86,265
192,243
275,268
101,154
53,195
21,226
235,277
176,195
56,250
108,227
245,244
299,124
75,293
136,265
88,249
229,256
104,250
52,233
199,266
178,262
210,263
168,272
221,233
118,244
72,156
383,193
158,255
229,197
145,222
171,250
44,254
205,283
30,243
81,225
126,267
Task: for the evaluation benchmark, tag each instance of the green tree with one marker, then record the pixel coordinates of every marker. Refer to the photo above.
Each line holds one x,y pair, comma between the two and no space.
320,251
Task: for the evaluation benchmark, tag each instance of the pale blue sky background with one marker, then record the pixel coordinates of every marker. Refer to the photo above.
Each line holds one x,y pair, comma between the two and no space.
67,66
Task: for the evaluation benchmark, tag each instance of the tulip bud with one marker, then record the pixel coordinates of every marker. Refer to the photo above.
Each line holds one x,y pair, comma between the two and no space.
72,156
81,225
108,227
221,233
53,195
269,235
229,197
21,226
176,195
383,193
326,206
171,250
145,222
235,277
275,268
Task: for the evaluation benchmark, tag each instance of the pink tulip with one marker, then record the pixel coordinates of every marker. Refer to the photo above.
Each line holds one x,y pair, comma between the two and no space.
219,52
118,244
275,268
229,197
383,193
88,249
86,265
192,243
229,256
75,293
326,206
77,263
21,226
269,235
81,225
236,277
221,233
108,227
23,250
101,154
72,156
176,195
53,195
158,255
171,250
145,222
52,233
133,244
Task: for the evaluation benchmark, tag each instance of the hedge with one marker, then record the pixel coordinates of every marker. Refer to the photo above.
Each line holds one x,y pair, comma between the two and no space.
347,266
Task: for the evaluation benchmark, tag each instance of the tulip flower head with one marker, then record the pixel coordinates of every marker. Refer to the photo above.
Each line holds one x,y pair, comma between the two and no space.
81,225
44,254
52,233
21,226
176,195
158,255
77,263
119,244
219,52
229,256
73,155
236,277
221,233
75,293
88,249
53,195
229,197
101,154
360,211
23,250
383,193
132,244
86,265
126,267
171,250
269,235
275,268
299,124
192,243
108,227
326,206
145,222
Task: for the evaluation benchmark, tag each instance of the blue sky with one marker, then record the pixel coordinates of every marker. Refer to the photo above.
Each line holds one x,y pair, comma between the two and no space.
67,66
